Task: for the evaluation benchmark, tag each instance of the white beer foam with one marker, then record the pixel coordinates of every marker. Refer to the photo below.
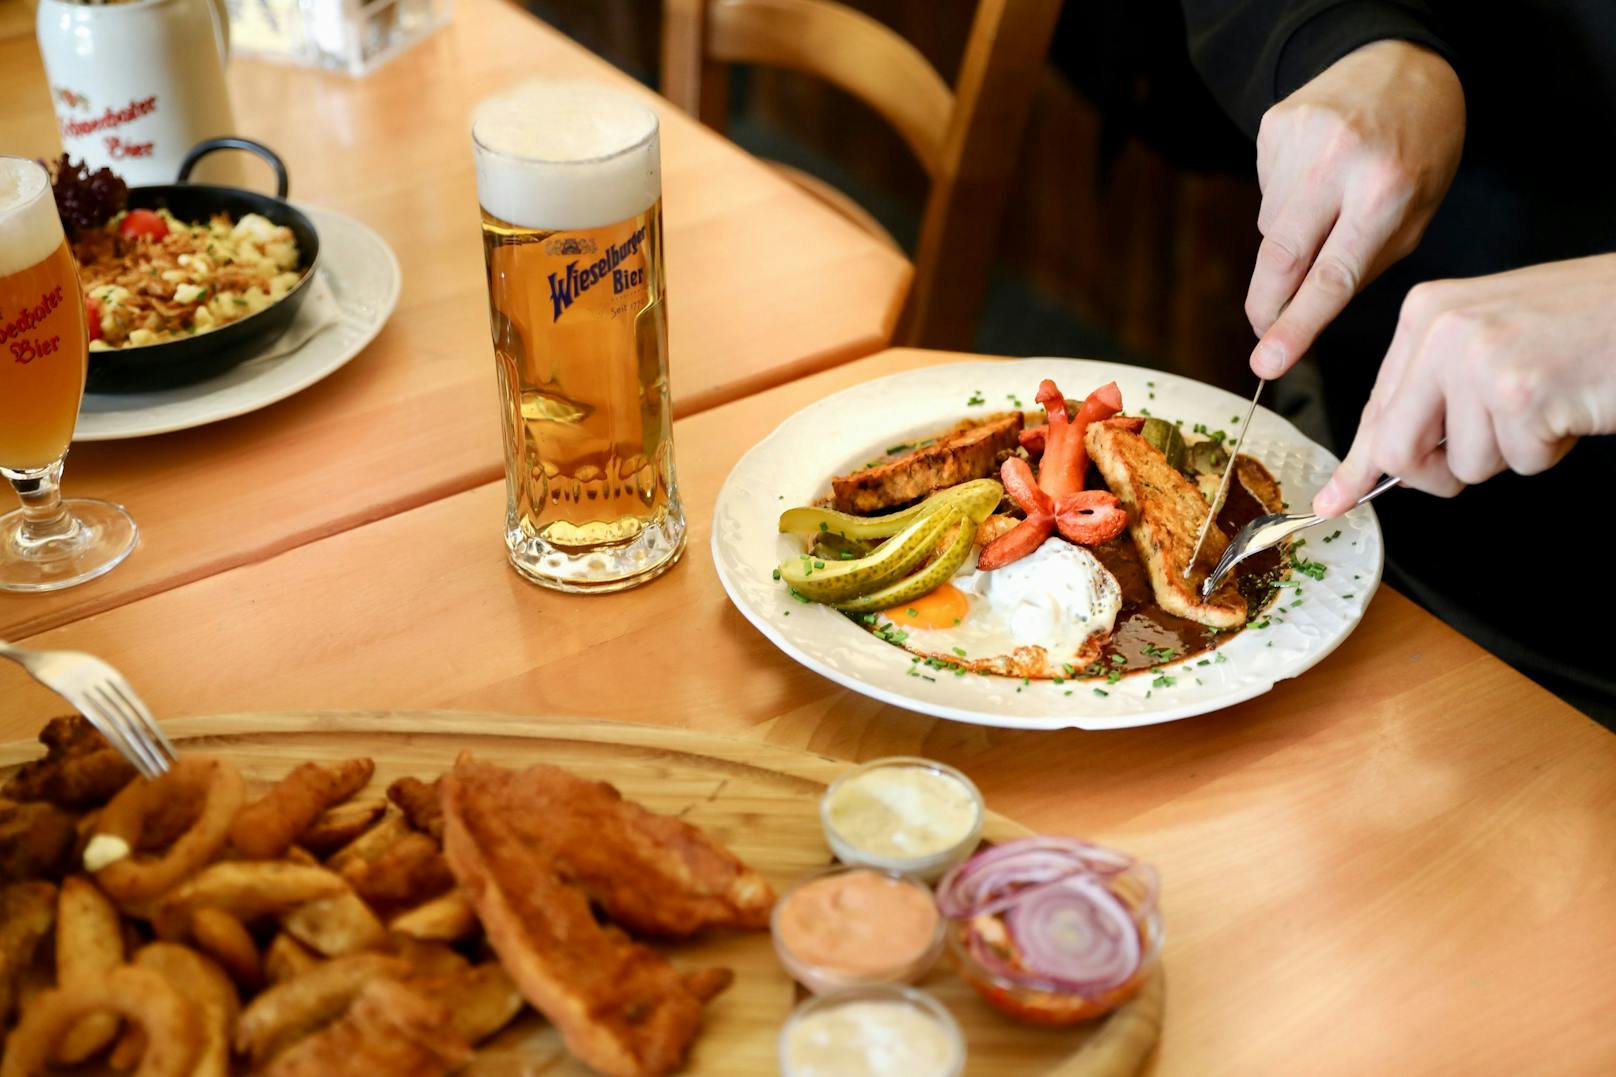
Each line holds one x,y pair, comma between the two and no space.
566,155
29,226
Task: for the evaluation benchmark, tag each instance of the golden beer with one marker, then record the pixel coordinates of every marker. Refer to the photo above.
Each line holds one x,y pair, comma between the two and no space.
43,337
568,178
47,543
43,351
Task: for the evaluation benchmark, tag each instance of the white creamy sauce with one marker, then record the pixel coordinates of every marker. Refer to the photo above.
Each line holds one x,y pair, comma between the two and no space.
869,1039
903,811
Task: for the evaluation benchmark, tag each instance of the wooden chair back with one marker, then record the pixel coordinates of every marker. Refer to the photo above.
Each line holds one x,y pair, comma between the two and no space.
966,137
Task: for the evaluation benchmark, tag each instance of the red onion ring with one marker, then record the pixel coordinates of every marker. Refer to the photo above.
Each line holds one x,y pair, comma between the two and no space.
1072,931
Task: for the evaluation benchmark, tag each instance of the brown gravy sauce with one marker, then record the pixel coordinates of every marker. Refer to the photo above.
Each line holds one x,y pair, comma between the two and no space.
1143,624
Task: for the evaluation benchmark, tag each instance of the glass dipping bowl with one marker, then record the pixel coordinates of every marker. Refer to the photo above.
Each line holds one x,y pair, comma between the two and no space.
1042,1003
930,867
917,1001
824,979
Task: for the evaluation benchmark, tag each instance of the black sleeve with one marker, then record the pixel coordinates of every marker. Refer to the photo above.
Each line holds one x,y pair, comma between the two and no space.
1252,53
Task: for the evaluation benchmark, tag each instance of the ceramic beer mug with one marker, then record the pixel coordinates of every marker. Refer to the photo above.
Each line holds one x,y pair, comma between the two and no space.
137,83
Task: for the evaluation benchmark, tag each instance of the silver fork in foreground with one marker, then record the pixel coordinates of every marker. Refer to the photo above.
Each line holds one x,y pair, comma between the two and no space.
103,696
1266,532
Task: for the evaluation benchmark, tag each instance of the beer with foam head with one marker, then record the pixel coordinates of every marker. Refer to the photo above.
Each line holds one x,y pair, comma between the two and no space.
569,181
43,335
47,543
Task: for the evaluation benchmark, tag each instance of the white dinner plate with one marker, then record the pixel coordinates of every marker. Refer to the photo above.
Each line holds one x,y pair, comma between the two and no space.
793,466
363,276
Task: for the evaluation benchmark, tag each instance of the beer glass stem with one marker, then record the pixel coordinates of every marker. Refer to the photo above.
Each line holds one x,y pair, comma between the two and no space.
44,517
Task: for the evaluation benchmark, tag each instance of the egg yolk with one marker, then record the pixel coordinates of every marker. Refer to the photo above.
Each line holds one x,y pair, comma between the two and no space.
942,608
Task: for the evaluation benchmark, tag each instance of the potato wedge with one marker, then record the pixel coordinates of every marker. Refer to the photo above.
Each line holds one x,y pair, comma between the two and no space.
207,987
409,872
89,944
443,919
335,926
427,958
340,825
285,957
226,939
371,844
389,1029
296,1007
247,889
27,914
482,999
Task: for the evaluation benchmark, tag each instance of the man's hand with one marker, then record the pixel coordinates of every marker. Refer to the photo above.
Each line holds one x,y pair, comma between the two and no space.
1511,369
1352,167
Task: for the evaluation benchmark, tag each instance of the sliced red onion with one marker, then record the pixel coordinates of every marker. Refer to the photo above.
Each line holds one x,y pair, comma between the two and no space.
1079,935
1071,931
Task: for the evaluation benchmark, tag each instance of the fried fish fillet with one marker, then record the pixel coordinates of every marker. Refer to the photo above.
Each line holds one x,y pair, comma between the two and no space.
80,769
420,803
1165,512
969,451
620,1007
653,874
389,1030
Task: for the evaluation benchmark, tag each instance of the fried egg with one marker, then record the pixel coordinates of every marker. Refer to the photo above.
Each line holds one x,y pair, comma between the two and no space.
1041,616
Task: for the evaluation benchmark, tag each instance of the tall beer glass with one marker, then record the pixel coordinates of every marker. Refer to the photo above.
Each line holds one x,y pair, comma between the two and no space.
570,182
48,543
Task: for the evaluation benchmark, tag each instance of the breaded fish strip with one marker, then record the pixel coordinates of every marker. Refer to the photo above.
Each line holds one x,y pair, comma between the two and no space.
653,874
1165,512
620,1007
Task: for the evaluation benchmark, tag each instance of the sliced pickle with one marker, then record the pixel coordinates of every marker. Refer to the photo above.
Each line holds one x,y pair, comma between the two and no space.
838,581
1208,457
978,498
927,580
1166,437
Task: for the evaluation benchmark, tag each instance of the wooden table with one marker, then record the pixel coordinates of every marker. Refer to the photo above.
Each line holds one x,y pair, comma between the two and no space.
1404,861
766,284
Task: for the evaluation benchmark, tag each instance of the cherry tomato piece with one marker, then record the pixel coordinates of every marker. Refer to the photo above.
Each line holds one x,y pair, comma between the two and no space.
143,222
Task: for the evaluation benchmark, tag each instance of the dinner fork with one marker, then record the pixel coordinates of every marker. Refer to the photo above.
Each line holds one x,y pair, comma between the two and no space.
1266,532
103,696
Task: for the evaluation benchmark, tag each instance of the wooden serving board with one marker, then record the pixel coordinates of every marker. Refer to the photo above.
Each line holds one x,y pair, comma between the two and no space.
760,800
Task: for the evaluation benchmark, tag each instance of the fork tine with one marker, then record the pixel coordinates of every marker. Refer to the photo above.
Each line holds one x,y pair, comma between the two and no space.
128,727
97,714
149,724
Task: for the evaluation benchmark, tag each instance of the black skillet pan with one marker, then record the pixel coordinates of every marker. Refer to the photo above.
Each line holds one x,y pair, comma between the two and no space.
191,359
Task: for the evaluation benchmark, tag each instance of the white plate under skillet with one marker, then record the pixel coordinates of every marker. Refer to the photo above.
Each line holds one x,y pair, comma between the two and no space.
362,275
793,466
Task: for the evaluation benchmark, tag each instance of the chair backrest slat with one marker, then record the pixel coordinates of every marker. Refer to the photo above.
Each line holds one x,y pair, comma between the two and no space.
967,139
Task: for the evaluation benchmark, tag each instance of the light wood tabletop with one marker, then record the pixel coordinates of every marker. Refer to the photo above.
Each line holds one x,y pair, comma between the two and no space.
765,284
1403,861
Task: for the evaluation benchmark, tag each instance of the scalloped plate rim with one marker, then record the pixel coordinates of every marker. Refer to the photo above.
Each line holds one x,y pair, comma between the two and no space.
1063,714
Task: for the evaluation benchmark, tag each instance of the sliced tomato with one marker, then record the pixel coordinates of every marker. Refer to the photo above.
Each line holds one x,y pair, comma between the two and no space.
1090,517
92,315
143,222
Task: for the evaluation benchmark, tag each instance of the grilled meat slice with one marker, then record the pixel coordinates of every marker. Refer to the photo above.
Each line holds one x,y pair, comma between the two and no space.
969,451
1165,511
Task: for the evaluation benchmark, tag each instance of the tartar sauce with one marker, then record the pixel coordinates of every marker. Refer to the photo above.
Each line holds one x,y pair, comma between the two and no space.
875,1038
902,812
857,923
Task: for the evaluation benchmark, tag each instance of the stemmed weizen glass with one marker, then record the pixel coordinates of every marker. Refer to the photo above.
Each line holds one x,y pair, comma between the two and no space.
48,543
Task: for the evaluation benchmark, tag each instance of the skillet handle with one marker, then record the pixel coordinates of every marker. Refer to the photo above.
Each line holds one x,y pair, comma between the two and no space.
232,142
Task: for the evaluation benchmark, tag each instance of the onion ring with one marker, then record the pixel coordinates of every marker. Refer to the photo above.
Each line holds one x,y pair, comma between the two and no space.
171,1026
139,877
